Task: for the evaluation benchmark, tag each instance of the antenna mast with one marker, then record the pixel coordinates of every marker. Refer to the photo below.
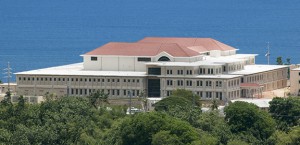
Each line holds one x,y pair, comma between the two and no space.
268,53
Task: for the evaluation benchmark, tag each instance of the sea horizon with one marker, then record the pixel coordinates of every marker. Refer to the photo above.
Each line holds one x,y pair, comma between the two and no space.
38,34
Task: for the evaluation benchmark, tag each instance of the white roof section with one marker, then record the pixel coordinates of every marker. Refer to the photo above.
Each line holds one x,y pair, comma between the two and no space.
6,84
296,69
207,61
77,70
154,99
252,69
261,103
221,76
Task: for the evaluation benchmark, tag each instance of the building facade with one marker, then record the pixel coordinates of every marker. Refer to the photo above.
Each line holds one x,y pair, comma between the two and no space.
295,82
155,67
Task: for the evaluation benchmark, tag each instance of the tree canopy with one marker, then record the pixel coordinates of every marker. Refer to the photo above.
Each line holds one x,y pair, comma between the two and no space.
79,120
245,118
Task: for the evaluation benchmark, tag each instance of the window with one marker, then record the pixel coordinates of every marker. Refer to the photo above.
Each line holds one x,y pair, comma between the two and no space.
200,94
169,72
93,58
138,81
208,94
180,72
154,71
189,83
189,72
163,58
169,83
169,93
144,59
108,80
199,83
179,82
218,83
208,83
124,80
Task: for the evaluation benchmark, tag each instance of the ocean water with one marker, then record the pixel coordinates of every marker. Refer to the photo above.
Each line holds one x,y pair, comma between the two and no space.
37,34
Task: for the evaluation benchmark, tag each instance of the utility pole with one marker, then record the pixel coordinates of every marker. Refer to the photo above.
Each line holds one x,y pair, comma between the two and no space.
8,76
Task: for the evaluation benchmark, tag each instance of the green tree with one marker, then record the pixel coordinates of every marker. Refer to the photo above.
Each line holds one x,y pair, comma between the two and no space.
247,119
214,124
285,111
279,60
170,102
165,138
237,142
288,61
292,137
187,94
141,128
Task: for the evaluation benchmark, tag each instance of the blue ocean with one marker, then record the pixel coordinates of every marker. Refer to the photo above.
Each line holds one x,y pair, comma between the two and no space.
38,33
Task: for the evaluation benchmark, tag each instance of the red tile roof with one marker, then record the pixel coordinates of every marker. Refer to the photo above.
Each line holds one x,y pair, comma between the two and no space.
151,46
207,43
142,49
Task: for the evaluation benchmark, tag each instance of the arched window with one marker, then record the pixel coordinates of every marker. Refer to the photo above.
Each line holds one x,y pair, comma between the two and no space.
163,58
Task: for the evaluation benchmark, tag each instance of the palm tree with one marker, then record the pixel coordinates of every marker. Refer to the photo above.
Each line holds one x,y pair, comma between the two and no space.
143,99
98,98
214,104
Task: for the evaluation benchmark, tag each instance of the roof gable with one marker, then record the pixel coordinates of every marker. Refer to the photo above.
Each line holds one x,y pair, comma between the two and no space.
142,49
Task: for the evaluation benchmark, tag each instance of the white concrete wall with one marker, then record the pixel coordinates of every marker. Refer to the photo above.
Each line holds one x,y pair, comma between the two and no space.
110,63
215,53
91,65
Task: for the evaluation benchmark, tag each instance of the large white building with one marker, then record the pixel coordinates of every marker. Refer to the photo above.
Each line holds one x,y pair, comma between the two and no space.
156,66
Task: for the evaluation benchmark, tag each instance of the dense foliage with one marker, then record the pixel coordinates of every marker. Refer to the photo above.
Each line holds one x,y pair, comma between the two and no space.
73,120
286,111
